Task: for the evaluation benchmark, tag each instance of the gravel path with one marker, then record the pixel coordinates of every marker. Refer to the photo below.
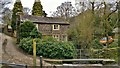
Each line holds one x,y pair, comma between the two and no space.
12,54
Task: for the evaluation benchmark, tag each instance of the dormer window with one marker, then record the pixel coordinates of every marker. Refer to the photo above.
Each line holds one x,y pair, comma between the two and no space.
56,27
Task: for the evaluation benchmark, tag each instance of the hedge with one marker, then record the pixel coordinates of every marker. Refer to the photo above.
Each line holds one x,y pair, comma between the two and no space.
49,48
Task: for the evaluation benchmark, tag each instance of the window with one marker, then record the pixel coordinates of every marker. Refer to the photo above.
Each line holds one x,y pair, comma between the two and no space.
56,27
56,36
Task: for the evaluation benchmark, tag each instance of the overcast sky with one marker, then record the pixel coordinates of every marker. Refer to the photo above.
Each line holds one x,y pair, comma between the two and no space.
48,5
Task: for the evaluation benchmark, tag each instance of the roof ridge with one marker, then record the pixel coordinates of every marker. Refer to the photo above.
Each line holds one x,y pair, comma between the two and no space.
42,20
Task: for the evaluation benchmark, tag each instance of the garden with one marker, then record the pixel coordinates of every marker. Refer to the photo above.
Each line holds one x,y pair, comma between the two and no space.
47,47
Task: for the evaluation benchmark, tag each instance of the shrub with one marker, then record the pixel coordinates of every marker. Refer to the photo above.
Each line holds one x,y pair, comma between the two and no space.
49,48
34,33
26,44
27,29
96,44
107,53
113,44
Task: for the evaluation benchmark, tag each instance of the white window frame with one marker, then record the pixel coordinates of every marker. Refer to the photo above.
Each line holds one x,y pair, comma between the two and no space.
56,36
36,26
58,27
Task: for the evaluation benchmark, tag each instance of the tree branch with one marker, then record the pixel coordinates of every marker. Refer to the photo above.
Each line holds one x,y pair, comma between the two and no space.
111,13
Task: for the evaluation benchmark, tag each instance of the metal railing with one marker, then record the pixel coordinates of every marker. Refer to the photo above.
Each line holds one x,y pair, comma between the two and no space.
110,53
11,65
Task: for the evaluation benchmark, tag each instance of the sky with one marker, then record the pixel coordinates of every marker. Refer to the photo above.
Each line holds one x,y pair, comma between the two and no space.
48,5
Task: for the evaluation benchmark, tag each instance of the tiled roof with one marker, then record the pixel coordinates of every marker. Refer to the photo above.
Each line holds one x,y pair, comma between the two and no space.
43,20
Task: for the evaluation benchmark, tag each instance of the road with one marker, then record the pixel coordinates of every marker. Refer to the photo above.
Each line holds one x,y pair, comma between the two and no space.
12,54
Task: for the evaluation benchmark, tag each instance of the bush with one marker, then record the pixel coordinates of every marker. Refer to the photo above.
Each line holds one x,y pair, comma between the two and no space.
107,53
27,29
49,48
96,44
113,44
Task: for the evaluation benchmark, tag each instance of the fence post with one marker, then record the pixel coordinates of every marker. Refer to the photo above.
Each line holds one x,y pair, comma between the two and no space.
34,52
40,61
25,66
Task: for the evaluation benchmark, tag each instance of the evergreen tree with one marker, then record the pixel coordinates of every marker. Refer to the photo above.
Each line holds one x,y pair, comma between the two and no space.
17,8
37,8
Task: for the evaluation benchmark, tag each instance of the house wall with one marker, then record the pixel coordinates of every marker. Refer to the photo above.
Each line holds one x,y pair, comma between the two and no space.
47,30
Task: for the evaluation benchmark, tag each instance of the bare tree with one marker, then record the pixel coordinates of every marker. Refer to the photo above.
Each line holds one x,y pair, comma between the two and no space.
26,10
65,10
7,14
3,4
87,25
82,6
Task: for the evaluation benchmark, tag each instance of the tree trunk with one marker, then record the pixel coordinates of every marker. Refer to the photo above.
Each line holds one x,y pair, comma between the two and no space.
93,7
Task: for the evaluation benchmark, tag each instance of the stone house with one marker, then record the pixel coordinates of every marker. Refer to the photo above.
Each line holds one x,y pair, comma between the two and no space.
49,26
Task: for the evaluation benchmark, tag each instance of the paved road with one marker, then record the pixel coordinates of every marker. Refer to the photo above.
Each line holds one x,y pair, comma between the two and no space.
12,54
